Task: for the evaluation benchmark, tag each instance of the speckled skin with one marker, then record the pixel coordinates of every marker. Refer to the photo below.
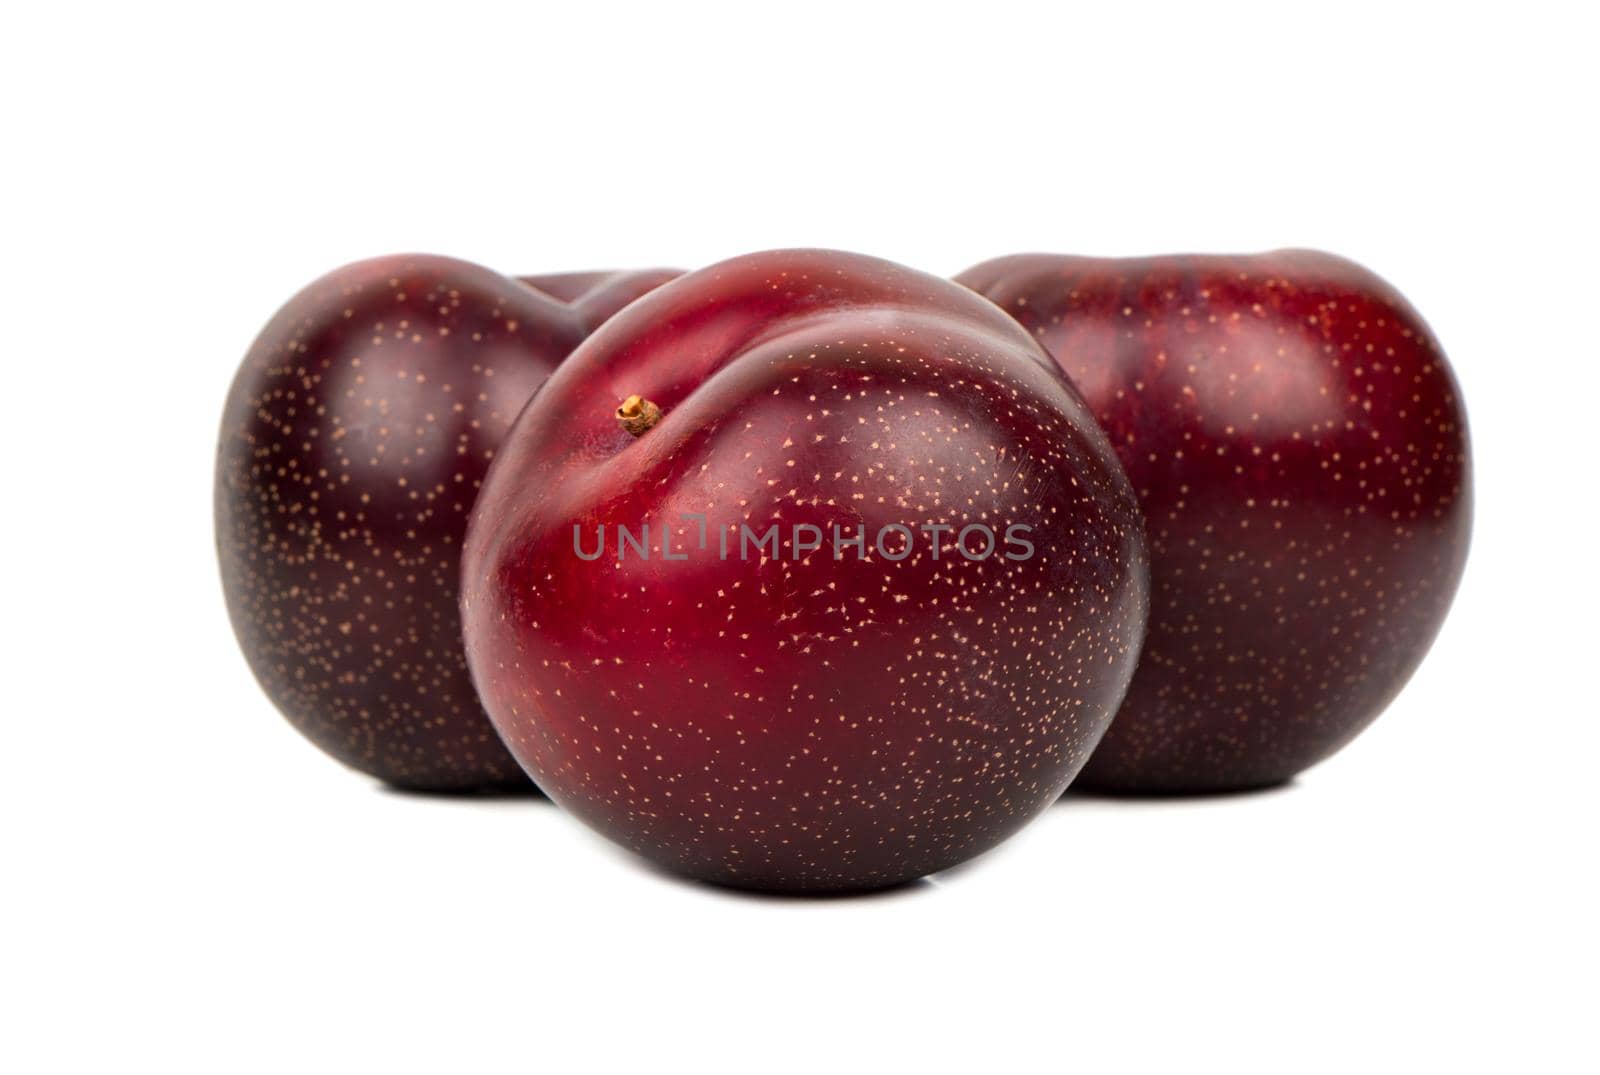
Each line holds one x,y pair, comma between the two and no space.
354,440
1299,446
810,723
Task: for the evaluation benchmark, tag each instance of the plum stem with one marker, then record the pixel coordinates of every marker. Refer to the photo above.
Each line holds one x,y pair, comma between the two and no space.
637,414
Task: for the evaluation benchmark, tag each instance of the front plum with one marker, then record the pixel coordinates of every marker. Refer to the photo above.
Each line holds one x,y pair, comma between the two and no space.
806,572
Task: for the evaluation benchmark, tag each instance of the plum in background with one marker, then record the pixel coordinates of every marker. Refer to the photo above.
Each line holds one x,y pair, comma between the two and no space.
353,443
1299,447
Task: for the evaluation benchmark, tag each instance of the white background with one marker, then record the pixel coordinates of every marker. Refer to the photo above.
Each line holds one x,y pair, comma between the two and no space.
191,887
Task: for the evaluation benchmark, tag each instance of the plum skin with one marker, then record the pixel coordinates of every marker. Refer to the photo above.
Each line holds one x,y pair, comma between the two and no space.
1299,445
802,722
354,438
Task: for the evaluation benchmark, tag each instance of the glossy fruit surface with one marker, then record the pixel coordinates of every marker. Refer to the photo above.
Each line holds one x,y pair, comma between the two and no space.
354,439
1299,446
811,714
